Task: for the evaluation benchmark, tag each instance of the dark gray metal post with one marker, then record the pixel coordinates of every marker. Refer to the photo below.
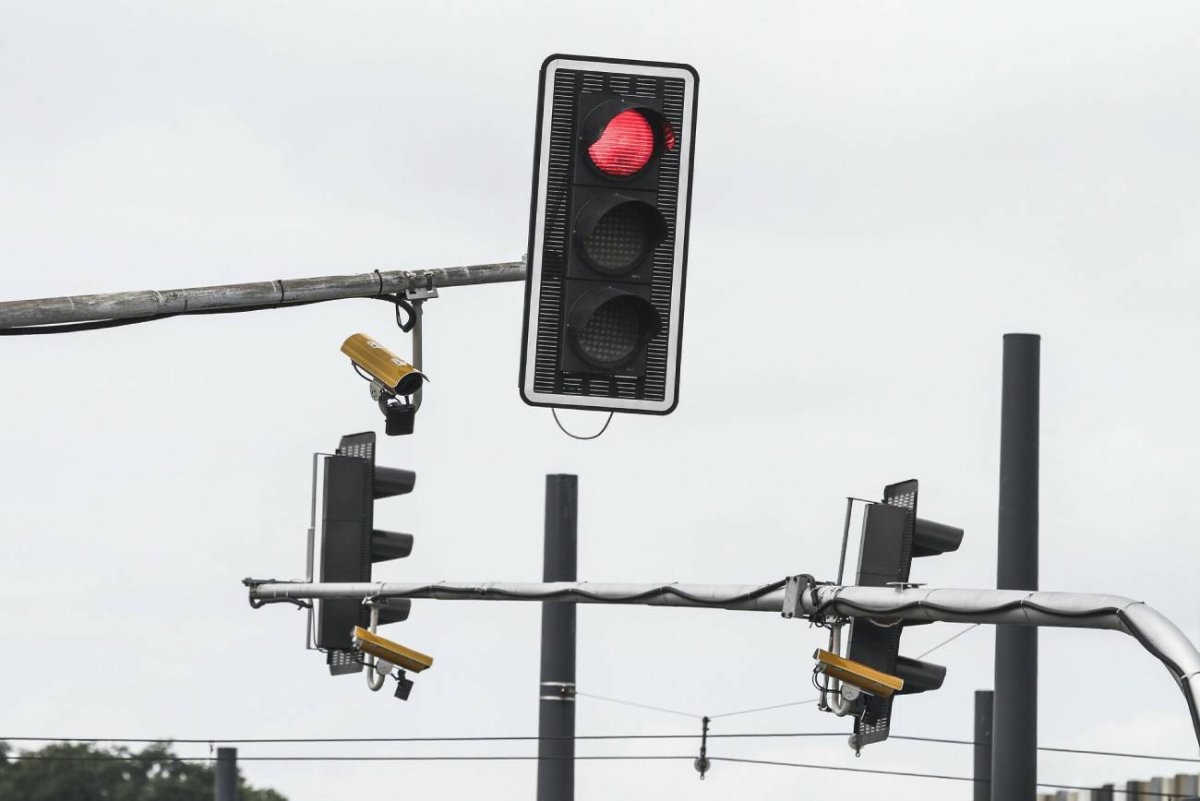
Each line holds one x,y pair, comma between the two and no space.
1014,749
983,745
556,705
226,779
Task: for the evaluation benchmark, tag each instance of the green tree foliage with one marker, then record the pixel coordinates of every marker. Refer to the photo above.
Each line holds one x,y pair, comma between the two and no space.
86,772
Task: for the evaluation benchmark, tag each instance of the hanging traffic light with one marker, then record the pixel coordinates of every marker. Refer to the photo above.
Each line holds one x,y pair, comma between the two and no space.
351,544
892,536
607,254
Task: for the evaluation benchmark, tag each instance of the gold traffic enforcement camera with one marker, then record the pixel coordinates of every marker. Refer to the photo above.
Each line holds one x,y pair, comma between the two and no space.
865,678
382,648
396,375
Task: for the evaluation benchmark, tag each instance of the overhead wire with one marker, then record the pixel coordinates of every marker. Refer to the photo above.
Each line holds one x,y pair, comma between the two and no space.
446,739
943,643
949,640
582,737
578,758
636,704
764,708
943,777
598,737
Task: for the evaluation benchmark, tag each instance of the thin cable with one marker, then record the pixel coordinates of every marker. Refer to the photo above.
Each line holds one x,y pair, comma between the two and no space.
530,738
596,758
941,776
577,436
447,739
765,708
950,639
357,369
772,706
439,758
814,700
68,328
634,703
878,771
1054,750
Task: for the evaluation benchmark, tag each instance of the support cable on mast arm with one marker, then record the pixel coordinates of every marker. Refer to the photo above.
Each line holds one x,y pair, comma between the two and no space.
87,312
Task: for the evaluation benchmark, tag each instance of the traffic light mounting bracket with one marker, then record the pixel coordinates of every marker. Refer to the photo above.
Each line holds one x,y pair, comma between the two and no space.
400,414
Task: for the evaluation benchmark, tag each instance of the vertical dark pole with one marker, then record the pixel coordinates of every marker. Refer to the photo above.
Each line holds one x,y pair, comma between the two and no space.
1014,749
556,707
983,745
226,779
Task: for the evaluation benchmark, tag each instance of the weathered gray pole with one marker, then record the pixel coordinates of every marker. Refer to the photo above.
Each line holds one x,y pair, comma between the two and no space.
226,779
1014,748
556,693
983,745
279,293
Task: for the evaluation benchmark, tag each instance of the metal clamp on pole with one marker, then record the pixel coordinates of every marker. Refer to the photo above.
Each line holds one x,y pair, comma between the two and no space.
557,691
794,588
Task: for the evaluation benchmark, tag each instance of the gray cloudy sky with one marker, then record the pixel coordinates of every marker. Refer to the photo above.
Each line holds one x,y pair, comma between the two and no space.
882,190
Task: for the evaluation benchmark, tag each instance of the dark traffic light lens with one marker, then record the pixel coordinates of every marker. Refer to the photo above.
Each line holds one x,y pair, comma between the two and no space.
611,333
625,145
619,240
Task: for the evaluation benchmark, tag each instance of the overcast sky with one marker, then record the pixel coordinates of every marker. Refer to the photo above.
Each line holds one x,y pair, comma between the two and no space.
882,190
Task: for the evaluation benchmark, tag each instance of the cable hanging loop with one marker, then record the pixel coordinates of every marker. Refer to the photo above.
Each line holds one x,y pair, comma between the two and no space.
563,429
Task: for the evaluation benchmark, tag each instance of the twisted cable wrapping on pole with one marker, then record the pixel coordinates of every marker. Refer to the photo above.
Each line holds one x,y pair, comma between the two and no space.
752,597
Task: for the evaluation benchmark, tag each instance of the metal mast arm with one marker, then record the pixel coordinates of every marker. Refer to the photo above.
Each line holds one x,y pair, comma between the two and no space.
263,294
751,597
800,596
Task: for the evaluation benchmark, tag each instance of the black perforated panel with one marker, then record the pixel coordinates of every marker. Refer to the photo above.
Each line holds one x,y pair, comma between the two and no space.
565,112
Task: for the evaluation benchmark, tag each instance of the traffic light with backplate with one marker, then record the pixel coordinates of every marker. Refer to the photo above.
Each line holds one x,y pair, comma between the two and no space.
612,186
892,536
350,543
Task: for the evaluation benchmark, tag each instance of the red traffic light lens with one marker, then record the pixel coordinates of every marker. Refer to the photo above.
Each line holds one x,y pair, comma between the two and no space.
625,145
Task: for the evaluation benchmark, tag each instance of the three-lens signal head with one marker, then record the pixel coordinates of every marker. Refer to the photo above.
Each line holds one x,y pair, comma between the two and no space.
608,235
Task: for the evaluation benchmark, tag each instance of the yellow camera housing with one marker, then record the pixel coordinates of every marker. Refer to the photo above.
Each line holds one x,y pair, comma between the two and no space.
382,648
384,366
865,678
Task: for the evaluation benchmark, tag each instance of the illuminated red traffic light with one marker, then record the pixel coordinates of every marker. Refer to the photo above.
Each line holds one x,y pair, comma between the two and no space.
625,145
608,227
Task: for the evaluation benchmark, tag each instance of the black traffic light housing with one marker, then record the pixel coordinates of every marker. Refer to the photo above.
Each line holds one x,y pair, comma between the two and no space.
608,234
351,544
892,536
